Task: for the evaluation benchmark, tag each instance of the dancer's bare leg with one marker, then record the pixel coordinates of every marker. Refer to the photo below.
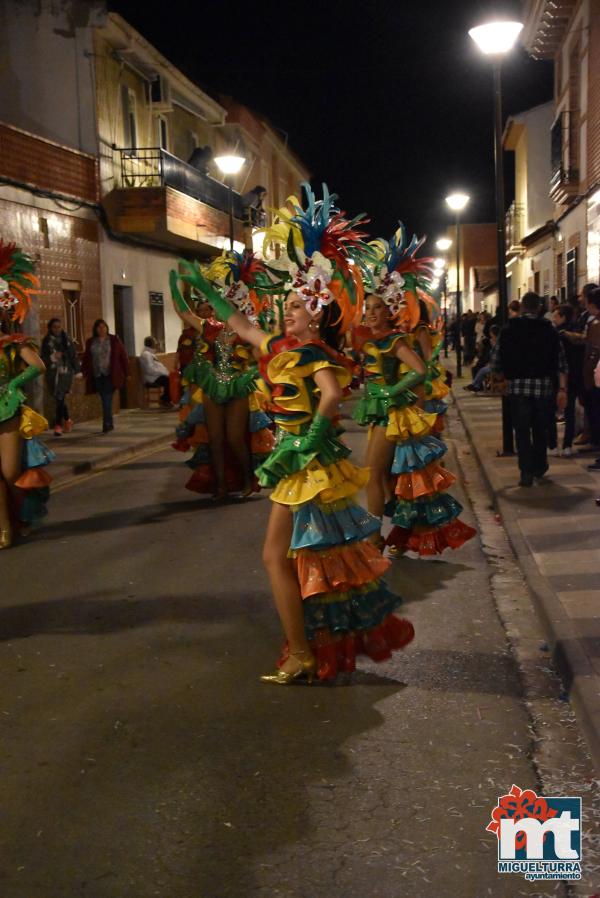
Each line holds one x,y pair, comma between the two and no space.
236,427
284,583
380,455
10,468
215,424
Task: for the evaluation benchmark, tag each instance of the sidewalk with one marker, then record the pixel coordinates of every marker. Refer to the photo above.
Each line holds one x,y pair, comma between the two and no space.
87,449
554,530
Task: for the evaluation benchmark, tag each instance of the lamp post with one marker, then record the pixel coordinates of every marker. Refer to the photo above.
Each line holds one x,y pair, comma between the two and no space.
229,165
457,202
444,244
496,39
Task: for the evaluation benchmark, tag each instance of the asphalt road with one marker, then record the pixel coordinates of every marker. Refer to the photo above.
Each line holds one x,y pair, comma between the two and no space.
141,756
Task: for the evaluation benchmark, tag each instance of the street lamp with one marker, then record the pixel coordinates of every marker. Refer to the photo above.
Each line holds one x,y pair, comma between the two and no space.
496,39
457,202
229,165
444,244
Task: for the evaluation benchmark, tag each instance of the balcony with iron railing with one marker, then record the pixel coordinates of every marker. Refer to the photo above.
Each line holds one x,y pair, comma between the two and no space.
514,224
564,143
155,167
163,199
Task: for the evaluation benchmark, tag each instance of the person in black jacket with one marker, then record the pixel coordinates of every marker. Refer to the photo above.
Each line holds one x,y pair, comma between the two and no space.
531,357
59,354
563,318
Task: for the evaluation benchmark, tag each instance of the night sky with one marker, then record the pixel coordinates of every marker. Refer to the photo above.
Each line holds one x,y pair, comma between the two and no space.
389,102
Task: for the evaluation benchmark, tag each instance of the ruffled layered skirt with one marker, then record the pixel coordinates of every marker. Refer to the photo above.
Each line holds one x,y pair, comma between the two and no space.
425,518
348,609
34,481
192,436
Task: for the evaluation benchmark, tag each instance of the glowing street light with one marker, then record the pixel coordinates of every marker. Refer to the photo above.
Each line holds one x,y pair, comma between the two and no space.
457,202
496,38
443,244
229,165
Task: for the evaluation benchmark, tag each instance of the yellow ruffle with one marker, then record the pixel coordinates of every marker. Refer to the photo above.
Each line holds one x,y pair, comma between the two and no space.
374,354
31,423
331,483
409,422
283,368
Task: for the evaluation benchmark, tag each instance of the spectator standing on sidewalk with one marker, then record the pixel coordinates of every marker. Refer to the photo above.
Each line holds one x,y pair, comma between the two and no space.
59,355
562,318
531,358
591,392
105,367
154,373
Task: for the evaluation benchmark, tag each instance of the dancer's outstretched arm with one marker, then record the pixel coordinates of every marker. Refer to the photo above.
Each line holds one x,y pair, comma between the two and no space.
224,311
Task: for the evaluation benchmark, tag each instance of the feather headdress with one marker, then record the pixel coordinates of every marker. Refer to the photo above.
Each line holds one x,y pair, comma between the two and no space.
401,279
325,254
17,281
245,280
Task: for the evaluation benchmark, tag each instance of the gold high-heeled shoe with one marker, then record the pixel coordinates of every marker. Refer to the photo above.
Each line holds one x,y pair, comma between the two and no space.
6,538
306,671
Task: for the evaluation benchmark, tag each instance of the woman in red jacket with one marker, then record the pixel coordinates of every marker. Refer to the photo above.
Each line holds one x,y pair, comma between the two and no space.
106,367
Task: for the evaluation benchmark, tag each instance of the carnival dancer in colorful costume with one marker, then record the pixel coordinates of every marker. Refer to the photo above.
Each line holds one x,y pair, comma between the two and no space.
221,417
325,572
393,371
424,517
23,482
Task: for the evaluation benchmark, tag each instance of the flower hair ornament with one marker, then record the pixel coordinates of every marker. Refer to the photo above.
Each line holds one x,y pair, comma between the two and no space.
17,281
324,254
401,279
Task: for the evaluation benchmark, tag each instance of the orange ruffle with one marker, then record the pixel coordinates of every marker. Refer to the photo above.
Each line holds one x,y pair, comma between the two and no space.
439,425
431,479
33,478
431,540
339,569
262,442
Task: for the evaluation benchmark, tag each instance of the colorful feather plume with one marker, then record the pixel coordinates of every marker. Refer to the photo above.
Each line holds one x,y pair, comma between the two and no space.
17,281
325,254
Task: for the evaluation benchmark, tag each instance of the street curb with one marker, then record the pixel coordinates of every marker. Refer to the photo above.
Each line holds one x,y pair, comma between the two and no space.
568,655
111,460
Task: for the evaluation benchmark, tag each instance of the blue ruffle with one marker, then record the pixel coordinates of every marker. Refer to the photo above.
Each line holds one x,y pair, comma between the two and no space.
413,455
258,421
315,528
200,457
355,611
35,454
196,416
436,406
431,512
33,507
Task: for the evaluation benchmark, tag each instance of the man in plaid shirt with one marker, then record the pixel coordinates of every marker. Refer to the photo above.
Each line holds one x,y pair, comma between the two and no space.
530,356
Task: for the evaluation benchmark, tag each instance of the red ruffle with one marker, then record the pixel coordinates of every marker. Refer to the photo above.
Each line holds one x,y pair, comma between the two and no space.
203,480
431,540
335,656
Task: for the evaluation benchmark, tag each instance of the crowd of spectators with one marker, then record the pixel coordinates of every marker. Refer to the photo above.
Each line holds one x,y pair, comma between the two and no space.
548,359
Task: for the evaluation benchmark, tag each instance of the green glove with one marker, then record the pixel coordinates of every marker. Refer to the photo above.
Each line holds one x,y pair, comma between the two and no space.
313,438
223,309
377,391
30,373
11,396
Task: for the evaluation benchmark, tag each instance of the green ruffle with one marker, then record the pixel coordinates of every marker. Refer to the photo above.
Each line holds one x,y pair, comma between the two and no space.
287,459
238,386
375,410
